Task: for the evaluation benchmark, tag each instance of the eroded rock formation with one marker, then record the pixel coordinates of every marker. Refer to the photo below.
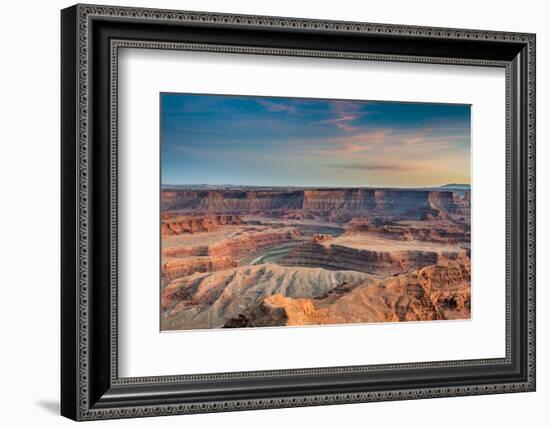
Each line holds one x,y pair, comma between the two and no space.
435,292
247,257
180,261
338,257
321,238
440,231
209,300
173,268
177,225
336,203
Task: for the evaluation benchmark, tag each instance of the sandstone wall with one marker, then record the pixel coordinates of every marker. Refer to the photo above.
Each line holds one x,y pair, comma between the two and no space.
353,201
181,261
437,292
338,257
191,224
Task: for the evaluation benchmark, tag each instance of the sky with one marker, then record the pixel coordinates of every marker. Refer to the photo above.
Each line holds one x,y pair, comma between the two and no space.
269,141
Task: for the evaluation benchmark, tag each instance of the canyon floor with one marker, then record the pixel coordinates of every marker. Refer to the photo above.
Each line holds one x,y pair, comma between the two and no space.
253,257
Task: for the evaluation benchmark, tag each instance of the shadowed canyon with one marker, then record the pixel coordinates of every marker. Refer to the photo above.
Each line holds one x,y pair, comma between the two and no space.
283,256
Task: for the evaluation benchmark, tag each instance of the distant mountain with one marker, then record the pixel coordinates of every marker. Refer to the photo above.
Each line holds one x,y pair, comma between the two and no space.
459,186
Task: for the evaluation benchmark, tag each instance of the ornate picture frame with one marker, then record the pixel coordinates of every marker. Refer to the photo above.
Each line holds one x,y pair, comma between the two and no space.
91,38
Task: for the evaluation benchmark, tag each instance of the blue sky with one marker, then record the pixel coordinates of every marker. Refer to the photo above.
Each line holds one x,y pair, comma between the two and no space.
245,140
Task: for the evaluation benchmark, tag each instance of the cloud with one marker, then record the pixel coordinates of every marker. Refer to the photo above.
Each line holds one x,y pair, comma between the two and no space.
342,122
344,114
375,167
350,145
276,106
403,143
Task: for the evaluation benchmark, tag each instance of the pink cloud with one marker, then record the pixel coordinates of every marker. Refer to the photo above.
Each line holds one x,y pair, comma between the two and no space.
345,114
354,144
276,107
342,122
406,147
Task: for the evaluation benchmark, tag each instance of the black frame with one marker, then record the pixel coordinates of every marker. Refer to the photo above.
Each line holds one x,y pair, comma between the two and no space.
91,37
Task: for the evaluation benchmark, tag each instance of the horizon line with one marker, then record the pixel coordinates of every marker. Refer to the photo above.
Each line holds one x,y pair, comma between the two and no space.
315,186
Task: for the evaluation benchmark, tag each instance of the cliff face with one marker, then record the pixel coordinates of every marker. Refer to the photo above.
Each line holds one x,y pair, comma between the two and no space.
350,199
336,257
434,231
447,203
272,295
432,293
231,200
180,267
377,202
246,257
192,224
209,300
242,246
181,261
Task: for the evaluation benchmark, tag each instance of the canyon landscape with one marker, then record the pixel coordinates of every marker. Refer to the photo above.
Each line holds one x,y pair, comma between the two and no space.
308,212
250,257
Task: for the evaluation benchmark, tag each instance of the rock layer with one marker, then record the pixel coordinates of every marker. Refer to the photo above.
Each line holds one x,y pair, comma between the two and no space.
433,293
409,203
181,261
434,231
192,224
211,299
173,268
337,257
248,257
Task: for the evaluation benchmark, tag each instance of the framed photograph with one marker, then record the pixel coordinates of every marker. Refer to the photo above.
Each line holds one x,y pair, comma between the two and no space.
263,212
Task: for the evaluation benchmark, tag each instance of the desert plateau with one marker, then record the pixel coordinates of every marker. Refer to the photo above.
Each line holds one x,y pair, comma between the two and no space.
245,256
